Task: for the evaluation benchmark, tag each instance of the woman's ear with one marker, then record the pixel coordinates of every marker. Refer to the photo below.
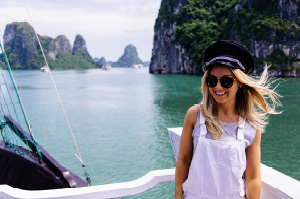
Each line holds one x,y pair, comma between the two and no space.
240,85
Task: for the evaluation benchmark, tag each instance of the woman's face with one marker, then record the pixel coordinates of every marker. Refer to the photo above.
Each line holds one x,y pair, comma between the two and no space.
224,95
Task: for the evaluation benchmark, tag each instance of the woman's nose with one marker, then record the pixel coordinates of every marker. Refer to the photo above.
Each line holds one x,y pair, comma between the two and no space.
219,86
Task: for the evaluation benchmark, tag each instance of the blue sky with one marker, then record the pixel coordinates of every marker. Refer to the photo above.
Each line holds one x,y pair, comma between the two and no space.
108,26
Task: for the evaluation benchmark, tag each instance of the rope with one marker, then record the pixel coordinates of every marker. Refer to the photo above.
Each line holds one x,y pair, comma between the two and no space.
20,102
60,101
9,70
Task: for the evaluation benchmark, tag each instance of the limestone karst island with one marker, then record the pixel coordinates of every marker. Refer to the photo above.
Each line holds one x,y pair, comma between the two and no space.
269,29
23,51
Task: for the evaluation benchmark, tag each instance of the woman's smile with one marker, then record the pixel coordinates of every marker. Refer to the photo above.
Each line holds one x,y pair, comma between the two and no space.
220,93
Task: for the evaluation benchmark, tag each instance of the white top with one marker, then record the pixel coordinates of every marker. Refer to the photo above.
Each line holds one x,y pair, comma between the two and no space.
218,166
249,132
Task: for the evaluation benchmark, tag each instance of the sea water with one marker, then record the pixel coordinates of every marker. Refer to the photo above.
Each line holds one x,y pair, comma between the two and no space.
120,117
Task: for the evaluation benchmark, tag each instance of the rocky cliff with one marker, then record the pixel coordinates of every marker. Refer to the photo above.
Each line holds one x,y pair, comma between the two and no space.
23,51
79,48
21,46
169,56
58,45
270,29
275,43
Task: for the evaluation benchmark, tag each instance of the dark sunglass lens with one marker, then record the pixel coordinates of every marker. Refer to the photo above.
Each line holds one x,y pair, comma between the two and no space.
211,81
226,82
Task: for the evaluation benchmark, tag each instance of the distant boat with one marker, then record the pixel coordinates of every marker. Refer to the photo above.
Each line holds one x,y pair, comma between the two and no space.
106,67
45,69
137,66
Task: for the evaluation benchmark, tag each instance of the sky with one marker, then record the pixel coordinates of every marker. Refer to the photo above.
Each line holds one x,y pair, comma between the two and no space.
107,26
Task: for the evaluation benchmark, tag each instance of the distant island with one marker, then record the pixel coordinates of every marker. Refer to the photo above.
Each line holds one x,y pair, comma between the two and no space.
23,51
129,58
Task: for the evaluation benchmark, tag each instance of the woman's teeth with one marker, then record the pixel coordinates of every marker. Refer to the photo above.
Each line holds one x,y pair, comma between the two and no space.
220,93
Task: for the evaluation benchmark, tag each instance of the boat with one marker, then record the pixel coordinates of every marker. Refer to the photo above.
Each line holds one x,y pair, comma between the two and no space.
24,163
45,69
106,67
29,172
22,169
275,185
137,66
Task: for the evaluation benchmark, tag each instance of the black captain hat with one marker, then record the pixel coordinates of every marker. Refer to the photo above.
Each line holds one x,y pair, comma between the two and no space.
228,53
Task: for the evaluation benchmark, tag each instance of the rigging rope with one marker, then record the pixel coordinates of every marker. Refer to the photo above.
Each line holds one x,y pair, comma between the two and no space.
20,102
62,106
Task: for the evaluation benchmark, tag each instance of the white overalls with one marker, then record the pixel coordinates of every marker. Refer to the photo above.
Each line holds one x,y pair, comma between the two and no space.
217,168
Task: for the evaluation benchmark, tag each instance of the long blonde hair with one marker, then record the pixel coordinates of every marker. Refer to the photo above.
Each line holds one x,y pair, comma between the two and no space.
254,101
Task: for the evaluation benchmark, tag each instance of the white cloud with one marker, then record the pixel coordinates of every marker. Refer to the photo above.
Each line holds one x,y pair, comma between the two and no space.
107,25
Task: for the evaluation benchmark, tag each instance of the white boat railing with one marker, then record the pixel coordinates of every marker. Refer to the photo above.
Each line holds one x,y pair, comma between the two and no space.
117,190
275,185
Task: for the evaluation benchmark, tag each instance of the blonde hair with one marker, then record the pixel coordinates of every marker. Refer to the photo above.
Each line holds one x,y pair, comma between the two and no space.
254,101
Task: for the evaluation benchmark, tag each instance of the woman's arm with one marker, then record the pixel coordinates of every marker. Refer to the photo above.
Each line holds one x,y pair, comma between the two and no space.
252,173
185,151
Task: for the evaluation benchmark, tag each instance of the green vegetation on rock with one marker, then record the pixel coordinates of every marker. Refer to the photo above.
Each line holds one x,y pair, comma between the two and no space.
279,56
199,23
261,21
68,61
2,62
166,14
23,51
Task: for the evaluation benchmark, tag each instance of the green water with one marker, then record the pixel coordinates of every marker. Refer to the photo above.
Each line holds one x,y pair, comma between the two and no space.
120,119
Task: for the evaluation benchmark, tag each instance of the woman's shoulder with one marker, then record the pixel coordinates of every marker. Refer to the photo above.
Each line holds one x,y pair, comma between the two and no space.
193,110
192,113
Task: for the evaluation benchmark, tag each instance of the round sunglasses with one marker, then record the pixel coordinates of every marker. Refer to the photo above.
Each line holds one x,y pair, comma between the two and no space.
226,82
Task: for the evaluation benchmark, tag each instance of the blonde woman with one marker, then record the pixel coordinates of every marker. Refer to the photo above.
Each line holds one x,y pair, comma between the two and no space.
219,155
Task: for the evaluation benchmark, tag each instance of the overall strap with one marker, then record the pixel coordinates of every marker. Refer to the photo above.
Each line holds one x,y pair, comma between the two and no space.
240,134
196,131
203,130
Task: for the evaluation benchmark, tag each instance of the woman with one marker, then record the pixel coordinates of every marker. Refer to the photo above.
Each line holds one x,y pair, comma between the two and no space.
219,155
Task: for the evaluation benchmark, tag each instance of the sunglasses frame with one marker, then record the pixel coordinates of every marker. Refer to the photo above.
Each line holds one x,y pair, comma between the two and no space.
221,81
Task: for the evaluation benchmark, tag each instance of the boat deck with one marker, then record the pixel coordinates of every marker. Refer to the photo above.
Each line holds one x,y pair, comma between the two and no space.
275,185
